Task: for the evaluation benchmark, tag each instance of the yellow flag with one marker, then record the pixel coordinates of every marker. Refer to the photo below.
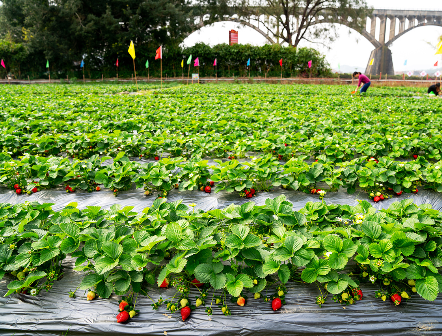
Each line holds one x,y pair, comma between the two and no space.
132,49
182,63
439,50
371,62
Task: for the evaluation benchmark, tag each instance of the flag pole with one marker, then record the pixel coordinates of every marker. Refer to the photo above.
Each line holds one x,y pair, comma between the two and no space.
198,72
281,71
135,73
161,66
188,74
83,73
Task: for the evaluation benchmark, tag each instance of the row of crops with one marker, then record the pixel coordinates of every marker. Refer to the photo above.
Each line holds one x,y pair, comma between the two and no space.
229,255
376,177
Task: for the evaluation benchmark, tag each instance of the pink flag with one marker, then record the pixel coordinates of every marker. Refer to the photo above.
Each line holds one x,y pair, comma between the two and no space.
214,63
309,64
3,64
197,62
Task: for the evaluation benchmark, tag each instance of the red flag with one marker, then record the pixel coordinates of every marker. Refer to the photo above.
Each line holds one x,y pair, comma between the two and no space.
435,64
116,63
280,62
159,53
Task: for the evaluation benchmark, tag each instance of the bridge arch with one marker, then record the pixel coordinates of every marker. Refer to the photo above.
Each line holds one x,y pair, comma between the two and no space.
423,24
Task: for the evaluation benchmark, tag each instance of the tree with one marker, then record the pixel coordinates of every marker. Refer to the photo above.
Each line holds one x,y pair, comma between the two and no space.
292,21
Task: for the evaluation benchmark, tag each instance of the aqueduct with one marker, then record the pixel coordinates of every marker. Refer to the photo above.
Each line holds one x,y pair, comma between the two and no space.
401,22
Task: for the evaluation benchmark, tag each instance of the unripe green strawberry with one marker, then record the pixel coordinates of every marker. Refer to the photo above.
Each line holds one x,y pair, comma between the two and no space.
21,275
217,301
411,282
132,313
280,293
198,302
386,282
184,302
257,295
413,289
344,296
255,282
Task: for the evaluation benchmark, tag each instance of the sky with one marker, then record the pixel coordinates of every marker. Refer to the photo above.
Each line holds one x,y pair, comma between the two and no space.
351,48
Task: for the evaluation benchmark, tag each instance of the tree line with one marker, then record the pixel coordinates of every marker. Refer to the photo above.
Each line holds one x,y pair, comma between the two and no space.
64,32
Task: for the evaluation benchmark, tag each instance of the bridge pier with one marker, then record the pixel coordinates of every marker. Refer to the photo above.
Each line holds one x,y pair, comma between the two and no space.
383,62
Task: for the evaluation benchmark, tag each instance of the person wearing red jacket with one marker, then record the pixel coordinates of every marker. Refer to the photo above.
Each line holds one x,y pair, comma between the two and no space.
362,80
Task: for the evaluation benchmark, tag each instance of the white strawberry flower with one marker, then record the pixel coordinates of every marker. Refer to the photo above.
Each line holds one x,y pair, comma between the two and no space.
437,167
322,192
372,278
275,217
33,292
139,269
190,175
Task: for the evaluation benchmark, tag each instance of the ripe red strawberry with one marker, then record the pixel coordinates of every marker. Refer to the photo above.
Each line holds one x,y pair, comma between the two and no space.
123,317
18,191
376,199
276,304
97,188
67,187
252,191
122,305
185,312
212,183
196,283
359,293
285,145
157,158
34,190
415,191
16,186
399,193
249,195
207,189
165,282
415,156
396,298
381,197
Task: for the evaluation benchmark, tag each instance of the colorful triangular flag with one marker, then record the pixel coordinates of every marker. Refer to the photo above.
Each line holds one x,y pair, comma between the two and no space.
309,64
248,62
159,53
116,63
182,63
131,50
47,64
214,62
3,64
147,64
82,64
196,63
189,60
280,62
371,62
405,63
435,64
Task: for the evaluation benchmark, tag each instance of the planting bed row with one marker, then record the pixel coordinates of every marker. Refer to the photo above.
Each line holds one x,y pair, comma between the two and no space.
379,178
244,253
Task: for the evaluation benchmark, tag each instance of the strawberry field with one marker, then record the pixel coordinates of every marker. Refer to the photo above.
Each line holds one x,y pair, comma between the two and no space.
210,177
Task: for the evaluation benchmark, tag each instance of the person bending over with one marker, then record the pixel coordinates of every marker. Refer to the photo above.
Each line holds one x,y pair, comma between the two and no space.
362,80
435,88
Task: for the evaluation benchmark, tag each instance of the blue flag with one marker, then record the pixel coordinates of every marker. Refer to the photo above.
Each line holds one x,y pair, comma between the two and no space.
82,64
248,62
405,63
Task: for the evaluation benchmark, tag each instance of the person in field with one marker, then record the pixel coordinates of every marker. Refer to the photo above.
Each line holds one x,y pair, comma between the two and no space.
435,89
362,80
